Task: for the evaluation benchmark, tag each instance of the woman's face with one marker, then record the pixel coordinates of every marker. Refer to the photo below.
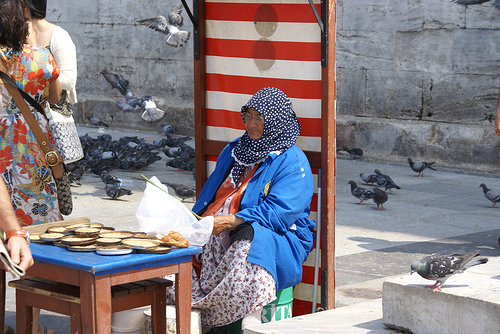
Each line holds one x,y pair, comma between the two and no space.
254,124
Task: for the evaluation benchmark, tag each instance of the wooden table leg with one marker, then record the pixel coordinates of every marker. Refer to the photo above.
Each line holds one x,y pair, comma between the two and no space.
95,299
183,298
159,312
24,314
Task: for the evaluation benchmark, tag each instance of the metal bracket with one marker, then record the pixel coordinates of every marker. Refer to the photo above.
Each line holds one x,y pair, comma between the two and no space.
196,32
322,25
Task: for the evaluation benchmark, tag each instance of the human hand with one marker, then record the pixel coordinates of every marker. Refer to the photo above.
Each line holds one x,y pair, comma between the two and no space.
224,223
20,252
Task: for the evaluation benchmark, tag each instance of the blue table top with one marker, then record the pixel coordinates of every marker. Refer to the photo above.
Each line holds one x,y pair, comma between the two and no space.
108,264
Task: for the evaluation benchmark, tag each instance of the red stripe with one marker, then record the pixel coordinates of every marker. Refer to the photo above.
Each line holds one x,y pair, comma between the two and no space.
310,127
302,307
260,12
308,275
299,51
300,89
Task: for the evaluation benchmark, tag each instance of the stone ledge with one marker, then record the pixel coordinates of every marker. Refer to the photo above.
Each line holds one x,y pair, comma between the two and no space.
468,303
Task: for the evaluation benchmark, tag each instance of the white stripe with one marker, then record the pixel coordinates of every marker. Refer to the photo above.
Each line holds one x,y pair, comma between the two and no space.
228,101
244,30
304,291
281,69
266,2
228,134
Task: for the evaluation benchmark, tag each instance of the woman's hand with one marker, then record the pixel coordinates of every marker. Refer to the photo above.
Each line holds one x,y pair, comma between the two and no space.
224,223
20,252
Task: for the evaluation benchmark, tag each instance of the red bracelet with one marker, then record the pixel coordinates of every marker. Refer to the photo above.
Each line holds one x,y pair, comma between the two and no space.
15,233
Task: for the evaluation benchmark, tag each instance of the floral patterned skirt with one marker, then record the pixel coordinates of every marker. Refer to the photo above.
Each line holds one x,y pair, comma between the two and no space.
229,287
27,176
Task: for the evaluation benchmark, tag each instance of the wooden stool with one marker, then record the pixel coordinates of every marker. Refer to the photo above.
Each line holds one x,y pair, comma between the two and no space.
65,299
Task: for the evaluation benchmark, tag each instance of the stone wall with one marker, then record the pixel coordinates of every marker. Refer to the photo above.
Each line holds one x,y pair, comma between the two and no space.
414,77
107,36
419,78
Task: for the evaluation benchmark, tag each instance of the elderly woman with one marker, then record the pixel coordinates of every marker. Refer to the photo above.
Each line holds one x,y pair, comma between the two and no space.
258,196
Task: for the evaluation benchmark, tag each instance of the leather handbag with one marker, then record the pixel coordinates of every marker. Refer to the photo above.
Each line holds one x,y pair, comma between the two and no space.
52,157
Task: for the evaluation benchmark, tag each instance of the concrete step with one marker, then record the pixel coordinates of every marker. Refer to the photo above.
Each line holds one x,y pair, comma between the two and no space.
468,302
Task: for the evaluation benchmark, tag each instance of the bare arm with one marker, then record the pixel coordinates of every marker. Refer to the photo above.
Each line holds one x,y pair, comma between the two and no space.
55,91
224,223
18,248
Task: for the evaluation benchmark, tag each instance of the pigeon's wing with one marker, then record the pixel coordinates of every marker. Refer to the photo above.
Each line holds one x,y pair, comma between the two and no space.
175,17
492,195
470,2
178,38
418,166
158,23
151,112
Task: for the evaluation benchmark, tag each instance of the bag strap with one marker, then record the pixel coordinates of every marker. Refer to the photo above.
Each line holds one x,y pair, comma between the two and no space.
52,157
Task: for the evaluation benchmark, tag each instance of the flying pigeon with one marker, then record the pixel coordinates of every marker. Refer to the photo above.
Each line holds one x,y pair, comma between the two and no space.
182,191
385,181
379,197
496,3
420,166
96,122
359,192
441,267
116,192
169,26
150,112
492,195
368,178
117,81
355,153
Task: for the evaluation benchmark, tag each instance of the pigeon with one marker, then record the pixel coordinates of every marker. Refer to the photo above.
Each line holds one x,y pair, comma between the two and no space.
368,178
441,267
96,122
379,197
116,192
355,153
492,195
420,166
182,191
117,81
150,112
109,178
167,128
496,3
385,181
169,26
359,192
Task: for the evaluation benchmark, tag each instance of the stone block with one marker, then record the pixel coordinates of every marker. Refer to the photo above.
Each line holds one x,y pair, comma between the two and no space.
468,303
440,15
425,51
476,51
351,91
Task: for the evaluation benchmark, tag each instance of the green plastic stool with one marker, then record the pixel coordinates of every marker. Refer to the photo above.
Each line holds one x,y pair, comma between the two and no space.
278,309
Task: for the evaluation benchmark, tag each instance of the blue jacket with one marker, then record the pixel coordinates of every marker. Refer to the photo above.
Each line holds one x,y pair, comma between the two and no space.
277,204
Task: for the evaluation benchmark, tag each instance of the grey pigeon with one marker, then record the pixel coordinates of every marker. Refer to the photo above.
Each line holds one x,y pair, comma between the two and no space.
119,82
109,178
496,3
96,122
355,153
168,128
359,192
182,191
169,26
116,192
385,181
419,166
379,197
492,195
441,267
368,178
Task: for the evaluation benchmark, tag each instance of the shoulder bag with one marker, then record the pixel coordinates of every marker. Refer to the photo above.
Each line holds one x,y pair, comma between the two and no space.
52,157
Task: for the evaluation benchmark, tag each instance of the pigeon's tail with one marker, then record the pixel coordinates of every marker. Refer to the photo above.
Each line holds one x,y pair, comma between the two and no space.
178,38
429,165
475,261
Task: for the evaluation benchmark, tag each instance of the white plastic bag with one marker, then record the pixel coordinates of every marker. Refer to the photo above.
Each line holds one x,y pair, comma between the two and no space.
159,212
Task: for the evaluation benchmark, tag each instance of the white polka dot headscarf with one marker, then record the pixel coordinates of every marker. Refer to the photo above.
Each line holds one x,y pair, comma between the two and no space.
281,129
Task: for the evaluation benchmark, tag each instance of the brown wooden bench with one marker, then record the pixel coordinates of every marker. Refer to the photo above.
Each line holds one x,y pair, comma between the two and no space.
65,299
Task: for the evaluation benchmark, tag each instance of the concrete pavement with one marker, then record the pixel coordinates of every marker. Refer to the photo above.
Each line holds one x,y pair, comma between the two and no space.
445,211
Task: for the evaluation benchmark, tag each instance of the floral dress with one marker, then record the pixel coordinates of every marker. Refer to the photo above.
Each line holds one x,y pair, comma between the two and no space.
22,163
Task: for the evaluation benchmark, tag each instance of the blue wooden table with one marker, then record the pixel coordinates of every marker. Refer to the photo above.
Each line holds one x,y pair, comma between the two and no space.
95,274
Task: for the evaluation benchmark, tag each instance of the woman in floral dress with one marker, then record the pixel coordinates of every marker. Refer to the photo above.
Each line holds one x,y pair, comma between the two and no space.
22,162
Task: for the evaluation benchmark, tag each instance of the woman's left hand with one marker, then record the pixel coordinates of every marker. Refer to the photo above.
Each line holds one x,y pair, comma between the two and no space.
224,223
